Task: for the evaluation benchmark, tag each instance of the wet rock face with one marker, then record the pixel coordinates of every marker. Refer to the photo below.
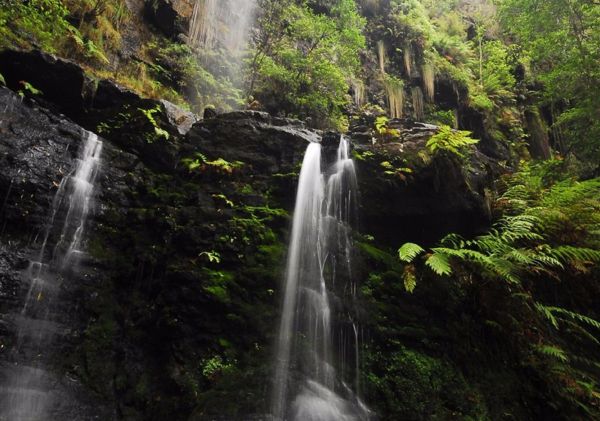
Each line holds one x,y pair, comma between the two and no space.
37,149
409,195
66,89
145,304
150,310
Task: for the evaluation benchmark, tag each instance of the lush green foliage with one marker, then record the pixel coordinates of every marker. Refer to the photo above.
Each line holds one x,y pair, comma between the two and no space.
303,59
563,41
42,22
548,232
453,141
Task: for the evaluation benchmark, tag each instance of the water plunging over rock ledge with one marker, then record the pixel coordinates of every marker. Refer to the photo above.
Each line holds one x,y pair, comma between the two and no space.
307,383
153,328
28,393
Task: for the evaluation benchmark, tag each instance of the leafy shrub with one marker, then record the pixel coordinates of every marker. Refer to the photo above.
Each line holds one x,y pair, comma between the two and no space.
453,141
547,234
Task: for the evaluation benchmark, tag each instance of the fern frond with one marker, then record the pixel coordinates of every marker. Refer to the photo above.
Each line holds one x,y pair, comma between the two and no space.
576,316
439,263
453,240
548,261
553,351
466,255
569,254
409,251
547,313
410,279
581,331
591,363
522,256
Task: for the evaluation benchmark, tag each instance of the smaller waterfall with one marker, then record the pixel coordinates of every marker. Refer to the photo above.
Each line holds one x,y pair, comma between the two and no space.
203,24
358,92
80,201
28,392
381,54
428,72
408,59
418,103
219,33
307,384
394,89
221,24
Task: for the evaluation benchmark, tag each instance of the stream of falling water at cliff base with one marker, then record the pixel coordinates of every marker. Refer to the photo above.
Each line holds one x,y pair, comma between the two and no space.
308,383
28,392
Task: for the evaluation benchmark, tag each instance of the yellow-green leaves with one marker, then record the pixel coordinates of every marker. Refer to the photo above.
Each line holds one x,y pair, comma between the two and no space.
453,141
409,251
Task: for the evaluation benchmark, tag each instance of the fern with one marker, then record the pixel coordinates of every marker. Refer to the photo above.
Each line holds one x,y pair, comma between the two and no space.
547,313
553,314
409,251
439,263
553,351
545,232
410,279
576,316
570,254
453,141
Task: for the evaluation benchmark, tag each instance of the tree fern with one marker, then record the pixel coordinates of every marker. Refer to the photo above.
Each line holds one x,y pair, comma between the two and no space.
545,235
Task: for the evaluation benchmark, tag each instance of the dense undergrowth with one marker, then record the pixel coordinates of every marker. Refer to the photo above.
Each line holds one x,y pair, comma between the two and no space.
534,273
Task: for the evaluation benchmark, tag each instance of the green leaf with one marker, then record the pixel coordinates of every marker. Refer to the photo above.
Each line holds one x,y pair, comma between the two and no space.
439,263
409,251
553,351
410,279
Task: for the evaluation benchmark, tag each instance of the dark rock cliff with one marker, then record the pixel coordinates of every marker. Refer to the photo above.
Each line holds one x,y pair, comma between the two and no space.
174,310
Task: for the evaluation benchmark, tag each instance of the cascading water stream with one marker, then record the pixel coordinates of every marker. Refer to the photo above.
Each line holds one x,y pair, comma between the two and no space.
28,390
307,385
219,32
221,23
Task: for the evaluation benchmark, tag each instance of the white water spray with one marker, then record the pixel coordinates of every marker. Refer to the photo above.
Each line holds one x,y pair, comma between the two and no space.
381,54
219,34
418,103
221,24
29,390
306,384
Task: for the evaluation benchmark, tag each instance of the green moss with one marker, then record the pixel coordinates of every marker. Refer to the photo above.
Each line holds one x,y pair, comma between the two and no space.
410,385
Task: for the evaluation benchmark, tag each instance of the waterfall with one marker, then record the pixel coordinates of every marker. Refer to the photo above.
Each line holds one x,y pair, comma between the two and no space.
221,24
394,89
203,24
381,54
218,33
428,72
418,103
358,92
306,383
408,59
29,389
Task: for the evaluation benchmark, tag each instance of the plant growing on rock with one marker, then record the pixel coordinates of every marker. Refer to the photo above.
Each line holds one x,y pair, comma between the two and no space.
450,140
531,246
